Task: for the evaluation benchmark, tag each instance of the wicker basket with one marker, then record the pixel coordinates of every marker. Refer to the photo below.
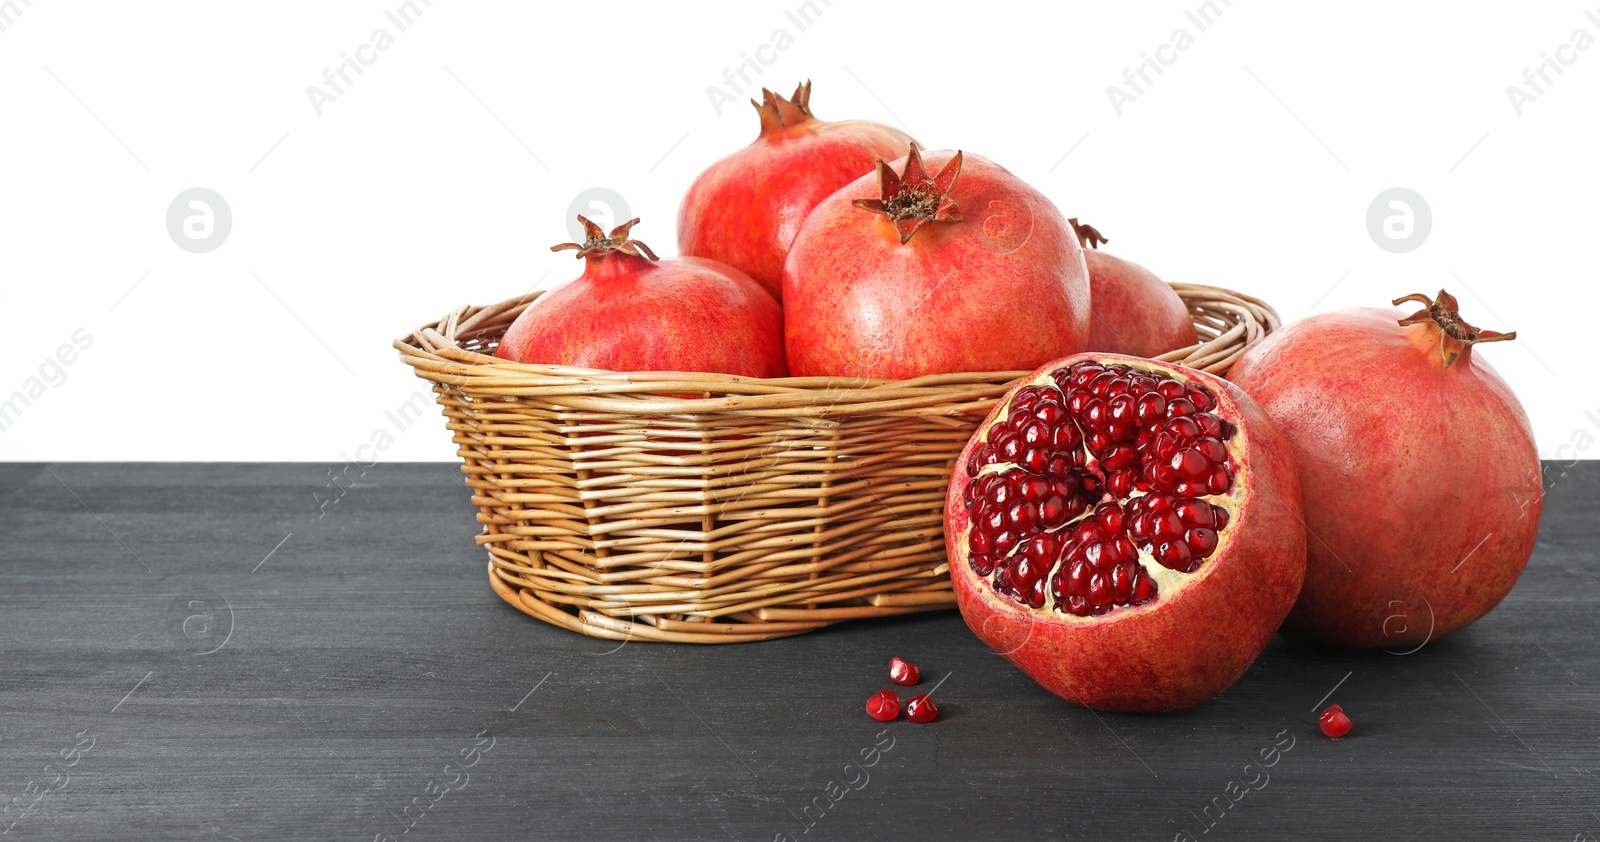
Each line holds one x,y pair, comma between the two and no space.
703,508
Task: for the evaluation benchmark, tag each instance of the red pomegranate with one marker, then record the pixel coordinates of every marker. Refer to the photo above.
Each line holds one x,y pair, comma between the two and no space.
1422,483
903,275
745,209
1132,311
629,311
1125,532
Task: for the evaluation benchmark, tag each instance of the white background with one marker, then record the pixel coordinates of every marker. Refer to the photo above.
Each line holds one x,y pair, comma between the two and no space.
441,176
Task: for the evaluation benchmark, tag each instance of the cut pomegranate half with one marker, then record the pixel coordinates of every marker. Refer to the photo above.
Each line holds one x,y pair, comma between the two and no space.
1105,488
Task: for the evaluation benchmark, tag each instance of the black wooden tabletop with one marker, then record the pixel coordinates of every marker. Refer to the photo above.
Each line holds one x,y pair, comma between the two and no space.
208,652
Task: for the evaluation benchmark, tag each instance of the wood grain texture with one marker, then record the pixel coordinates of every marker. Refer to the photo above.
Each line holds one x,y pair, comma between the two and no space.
316,692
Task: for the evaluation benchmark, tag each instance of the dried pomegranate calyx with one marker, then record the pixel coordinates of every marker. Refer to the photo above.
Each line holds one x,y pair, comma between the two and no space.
1088,236
596,242
778,113
912,198
1455,335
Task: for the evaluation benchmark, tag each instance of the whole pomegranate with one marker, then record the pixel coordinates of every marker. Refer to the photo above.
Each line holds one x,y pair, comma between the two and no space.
904,274
1131,310
629,311
1422,484
745,209
1126,532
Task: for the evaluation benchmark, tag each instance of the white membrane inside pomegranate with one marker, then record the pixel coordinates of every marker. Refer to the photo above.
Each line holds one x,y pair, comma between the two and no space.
1100,488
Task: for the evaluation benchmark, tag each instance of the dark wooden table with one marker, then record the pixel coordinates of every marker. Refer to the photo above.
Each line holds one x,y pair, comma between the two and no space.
192,652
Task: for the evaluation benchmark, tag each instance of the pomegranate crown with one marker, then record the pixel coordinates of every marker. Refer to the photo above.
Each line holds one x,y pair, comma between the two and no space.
778,113
1455,335
1088,237
597,243
912,198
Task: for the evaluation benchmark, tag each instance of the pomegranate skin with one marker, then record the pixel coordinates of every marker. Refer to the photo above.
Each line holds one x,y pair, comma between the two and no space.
1422,483
627,312
745,209
1188,646
1004,288
1132,311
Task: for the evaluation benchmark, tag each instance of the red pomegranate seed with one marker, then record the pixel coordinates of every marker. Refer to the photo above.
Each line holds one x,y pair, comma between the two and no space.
1110,516
1034,489
1078,575
1152,407
1122,577
1122,483
1022,515
1334,722
904,672
1194,513
1174,555
1165,526
1221,481
1191,465
1099,590
1024,572
1144,589
920,709
1202,542
1183,429
883,705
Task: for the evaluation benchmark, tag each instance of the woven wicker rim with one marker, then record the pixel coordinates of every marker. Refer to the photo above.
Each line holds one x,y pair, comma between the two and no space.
1227,323
745,596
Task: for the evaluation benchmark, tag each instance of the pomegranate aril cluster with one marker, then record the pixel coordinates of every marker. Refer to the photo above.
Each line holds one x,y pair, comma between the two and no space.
1109,461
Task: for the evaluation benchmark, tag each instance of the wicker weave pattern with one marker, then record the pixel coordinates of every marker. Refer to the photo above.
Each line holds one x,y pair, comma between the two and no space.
704,508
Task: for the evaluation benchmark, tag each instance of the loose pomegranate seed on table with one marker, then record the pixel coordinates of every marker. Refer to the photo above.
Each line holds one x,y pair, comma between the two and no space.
1334,722
883,705
920,709
904,672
